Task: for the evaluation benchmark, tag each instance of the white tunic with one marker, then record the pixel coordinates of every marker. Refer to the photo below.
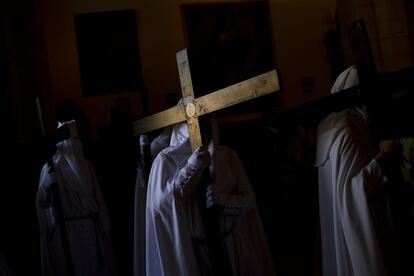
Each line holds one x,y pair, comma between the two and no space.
173,223
84,210
347,174
159,143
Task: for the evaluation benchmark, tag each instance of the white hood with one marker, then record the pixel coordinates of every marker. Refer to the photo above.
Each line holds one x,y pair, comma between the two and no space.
330,127
179,134
347,79
161,141
72,151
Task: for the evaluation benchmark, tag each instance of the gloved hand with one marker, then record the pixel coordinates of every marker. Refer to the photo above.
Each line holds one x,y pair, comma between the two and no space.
50,179
189,176
214,198
200,158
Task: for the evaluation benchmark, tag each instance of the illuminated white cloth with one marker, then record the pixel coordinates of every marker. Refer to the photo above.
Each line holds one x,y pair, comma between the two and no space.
86,218
158,144
172,222
347,173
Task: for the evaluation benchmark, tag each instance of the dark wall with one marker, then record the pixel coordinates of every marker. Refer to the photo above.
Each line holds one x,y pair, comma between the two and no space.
409,7
20,82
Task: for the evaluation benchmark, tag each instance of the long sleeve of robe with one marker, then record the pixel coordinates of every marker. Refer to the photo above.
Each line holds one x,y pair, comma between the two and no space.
348,174
86,220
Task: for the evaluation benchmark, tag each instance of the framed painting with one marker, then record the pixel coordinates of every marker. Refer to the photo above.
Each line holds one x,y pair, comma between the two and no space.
228,43
108,51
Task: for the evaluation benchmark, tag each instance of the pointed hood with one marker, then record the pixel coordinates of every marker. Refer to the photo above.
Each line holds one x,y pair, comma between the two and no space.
71,151
330,127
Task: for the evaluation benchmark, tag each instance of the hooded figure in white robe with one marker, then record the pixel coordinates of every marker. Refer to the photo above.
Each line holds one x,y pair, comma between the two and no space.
158,144
349,176
84,210
174,222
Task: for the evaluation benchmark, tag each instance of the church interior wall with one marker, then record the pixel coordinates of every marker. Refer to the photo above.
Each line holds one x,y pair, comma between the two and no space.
45,62
389,28
410,23
298,29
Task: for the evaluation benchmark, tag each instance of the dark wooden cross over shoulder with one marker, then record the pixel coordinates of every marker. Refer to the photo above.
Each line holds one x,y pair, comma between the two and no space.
189,111
193,107
388,113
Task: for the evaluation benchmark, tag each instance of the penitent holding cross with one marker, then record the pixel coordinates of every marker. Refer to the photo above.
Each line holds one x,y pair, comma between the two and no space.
189,111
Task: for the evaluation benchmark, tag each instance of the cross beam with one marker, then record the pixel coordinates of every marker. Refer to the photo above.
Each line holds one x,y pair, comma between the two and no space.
387,112
193,107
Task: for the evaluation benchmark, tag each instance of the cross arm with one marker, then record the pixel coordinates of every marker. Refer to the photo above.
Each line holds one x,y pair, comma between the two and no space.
249,89
159,120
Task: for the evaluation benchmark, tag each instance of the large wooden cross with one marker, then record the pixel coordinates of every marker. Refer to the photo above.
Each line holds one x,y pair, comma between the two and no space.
189,111
192,107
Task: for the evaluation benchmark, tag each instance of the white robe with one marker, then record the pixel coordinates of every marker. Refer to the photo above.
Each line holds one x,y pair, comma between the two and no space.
86,218
159,143
173,222
348,173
